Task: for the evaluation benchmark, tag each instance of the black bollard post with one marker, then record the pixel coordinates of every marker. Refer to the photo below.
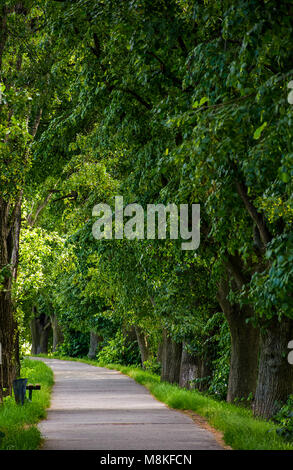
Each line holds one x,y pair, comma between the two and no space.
19,388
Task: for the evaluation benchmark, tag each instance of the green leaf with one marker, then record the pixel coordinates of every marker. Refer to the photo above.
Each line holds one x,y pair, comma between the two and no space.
285,177
258,131
198,104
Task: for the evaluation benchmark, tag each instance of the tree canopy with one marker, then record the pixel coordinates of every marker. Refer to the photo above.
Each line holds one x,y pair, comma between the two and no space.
168,101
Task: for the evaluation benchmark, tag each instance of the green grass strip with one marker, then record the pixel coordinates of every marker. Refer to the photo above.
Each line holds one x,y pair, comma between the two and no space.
18,422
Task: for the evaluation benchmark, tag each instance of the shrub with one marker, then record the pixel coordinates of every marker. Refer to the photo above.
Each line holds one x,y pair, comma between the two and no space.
152,365
284,418
119,351
76,344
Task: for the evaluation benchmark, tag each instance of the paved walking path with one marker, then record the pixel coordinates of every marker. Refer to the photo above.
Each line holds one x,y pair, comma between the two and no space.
95,408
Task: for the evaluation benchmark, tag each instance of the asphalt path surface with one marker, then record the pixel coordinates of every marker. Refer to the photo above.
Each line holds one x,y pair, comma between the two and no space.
96,408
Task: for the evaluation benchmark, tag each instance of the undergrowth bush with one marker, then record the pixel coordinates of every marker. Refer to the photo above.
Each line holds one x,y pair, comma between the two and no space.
119,351
284,419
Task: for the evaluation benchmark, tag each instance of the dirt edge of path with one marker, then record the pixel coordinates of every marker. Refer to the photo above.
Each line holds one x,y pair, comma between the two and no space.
203,423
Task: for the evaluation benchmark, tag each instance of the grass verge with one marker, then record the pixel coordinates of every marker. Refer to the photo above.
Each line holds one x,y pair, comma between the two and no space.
18,422
240,429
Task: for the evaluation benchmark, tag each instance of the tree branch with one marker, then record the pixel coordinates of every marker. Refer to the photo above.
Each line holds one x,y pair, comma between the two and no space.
137,97
72,195
265,234
182,45
234,266
227,103
3,32
15,235
32,220
165,70
96,50
37,123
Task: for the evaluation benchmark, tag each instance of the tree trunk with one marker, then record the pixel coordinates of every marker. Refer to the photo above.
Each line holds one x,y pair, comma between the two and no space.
275,378
129,333
244,347
188,369
8,325
35,336
204,373
143,345
160,352
171,359
3,30
9,341
94,341
10,223
192,368
40,330
58,337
